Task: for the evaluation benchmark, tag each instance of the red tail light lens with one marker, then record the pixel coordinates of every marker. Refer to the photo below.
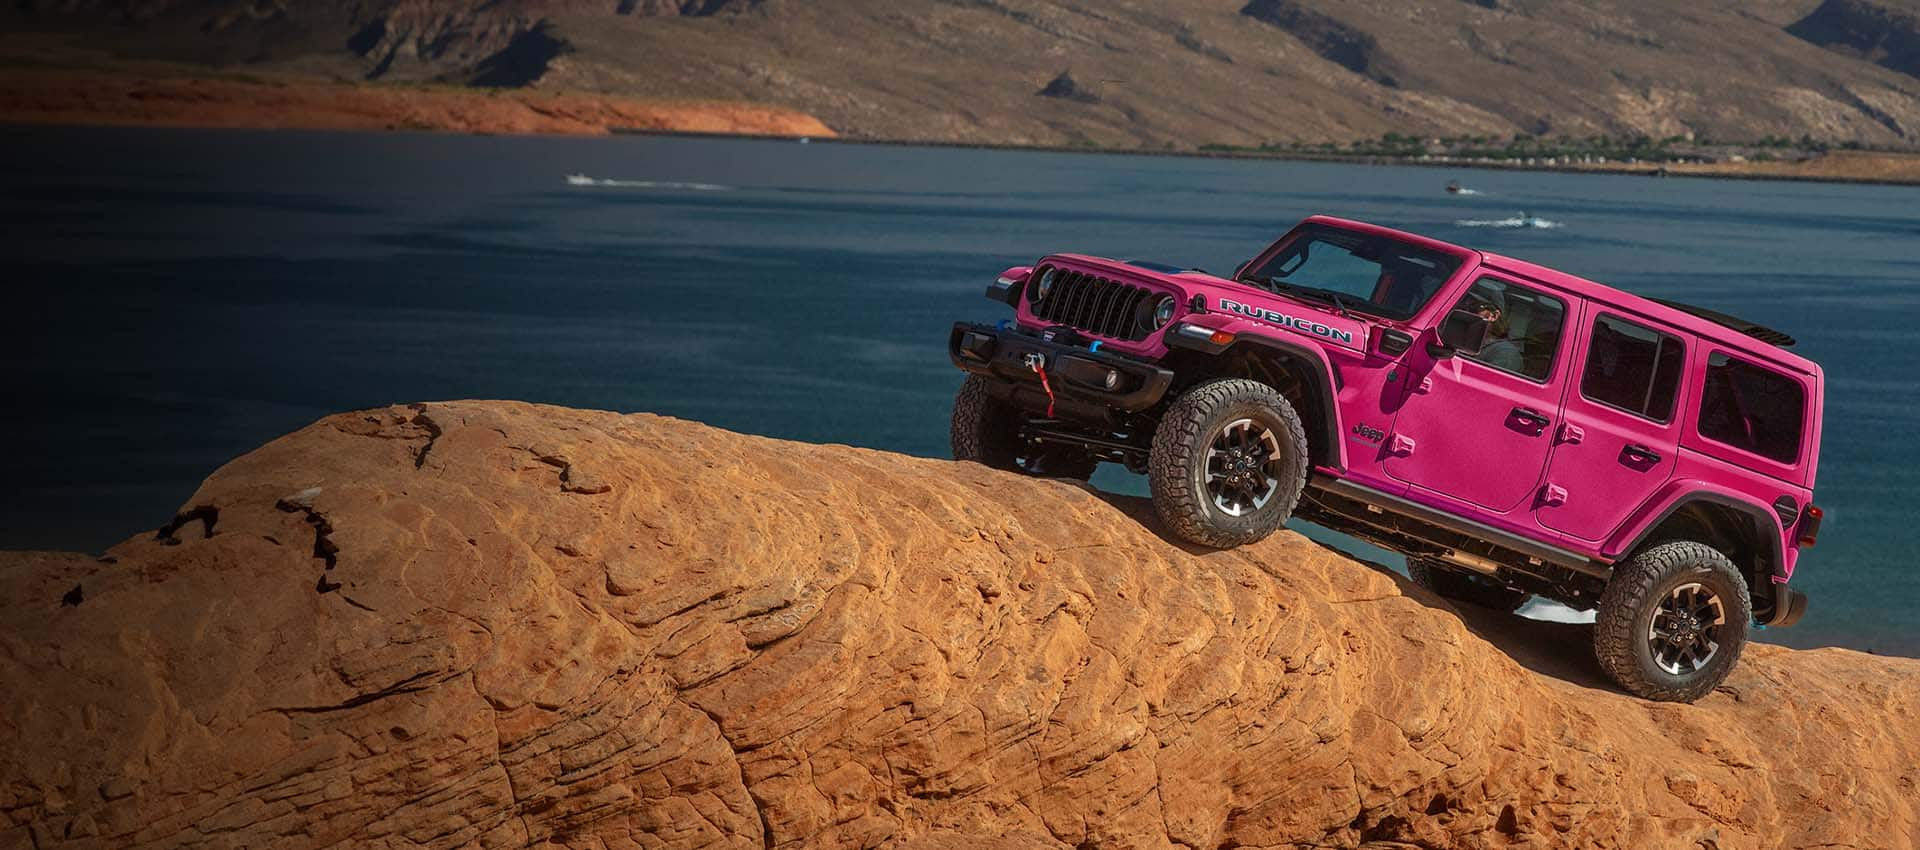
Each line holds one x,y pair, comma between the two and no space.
1810,525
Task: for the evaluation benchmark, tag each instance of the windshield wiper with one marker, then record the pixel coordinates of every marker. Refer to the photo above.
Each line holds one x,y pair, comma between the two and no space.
1338,303
1271,284
1316,293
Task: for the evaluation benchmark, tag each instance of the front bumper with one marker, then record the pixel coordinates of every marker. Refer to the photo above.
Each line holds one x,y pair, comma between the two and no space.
1076,374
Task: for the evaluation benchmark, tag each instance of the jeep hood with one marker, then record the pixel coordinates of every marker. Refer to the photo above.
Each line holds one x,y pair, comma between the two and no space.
1315,320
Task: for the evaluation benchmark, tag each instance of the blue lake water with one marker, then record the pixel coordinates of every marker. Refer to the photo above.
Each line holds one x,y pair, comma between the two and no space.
179,297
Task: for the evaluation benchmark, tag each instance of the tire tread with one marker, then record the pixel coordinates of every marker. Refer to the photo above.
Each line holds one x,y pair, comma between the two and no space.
1615,636
1179,438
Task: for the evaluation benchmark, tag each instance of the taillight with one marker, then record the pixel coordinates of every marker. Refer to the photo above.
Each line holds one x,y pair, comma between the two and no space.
1810,525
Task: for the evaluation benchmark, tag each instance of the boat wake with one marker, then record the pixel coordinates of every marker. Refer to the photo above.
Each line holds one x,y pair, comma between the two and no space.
583,180
1520,221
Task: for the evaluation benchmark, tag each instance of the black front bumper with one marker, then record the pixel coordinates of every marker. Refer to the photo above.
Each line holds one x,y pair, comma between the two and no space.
1077,375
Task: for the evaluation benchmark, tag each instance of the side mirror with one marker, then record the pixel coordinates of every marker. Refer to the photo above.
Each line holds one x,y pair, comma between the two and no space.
1461,332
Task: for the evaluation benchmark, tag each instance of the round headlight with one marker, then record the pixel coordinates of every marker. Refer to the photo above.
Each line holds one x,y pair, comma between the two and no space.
1163,312
1043,286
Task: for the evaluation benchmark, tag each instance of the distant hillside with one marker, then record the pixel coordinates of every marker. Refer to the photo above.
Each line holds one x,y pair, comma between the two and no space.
1151,73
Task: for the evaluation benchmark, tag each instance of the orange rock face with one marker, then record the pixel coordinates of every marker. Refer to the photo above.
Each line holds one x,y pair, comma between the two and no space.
104,99
502,625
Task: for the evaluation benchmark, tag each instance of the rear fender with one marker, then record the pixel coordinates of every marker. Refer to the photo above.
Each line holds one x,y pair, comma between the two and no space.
1764,533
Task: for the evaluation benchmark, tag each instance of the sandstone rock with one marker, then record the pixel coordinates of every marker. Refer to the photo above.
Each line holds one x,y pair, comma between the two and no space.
743,642
35,97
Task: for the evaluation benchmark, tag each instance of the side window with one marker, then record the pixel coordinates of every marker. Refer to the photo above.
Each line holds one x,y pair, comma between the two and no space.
1633,368
1752,407
1525,331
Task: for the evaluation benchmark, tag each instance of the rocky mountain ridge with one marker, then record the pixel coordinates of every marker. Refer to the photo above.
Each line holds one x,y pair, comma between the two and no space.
1152,73
503,625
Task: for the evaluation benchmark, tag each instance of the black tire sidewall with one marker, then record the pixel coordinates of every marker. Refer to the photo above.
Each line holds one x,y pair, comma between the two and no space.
1634,594
984,429
1212,527
987,430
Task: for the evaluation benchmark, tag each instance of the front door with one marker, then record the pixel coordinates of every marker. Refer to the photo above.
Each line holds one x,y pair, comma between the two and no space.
1620,428
1478,427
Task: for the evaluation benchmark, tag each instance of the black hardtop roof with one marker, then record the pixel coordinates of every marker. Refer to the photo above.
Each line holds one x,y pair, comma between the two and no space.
1760,332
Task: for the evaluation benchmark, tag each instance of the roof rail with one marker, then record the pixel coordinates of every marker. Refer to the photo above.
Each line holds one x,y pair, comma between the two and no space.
1759,332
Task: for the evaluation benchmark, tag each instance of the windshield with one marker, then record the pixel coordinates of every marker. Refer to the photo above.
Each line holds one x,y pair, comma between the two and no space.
1355,271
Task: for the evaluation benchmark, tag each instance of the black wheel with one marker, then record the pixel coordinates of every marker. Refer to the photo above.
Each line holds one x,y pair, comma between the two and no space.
1470,588
1227,463
987,430
1672,621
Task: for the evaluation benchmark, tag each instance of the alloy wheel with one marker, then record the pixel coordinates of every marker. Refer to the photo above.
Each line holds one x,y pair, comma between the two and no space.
1684,634
1239,468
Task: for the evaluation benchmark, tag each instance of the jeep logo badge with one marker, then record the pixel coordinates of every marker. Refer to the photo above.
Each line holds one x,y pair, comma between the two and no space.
1285,320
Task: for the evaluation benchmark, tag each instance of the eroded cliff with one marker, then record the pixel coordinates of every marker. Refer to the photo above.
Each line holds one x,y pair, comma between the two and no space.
504,625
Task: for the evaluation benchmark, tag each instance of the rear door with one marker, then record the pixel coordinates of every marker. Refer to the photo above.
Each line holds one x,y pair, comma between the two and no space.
1479,428
1620,427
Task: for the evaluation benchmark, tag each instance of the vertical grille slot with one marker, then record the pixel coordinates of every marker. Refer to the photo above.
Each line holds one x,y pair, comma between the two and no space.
1096,305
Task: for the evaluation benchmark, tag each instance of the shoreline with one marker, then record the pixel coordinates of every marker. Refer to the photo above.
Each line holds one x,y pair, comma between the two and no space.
34,97
1622,169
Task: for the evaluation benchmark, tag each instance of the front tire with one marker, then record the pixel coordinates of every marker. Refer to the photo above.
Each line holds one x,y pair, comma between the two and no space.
1453,584
987,430
1228,462
1672,622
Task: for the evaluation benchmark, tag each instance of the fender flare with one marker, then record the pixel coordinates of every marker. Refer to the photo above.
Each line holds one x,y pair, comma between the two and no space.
1767,523
1319,383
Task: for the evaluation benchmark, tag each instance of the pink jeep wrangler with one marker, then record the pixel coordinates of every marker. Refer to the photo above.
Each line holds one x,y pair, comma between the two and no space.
1512,429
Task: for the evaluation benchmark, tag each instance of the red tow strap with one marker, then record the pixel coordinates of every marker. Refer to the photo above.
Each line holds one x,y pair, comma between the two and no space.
1034,364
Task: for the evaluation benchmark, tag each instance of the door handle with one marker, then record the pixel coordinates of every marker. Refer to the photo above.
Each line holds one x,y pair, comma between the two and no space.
1635,451
1531,417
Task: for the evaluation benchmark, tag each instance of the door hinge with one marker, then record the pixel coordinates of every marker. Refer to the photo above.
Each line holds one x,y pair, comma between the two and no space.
1571,433
1553,494
1401,445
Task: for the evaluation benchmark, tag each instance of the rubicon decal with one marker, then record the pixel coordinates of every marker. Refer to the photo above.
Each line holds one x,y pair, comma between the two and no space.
1285,321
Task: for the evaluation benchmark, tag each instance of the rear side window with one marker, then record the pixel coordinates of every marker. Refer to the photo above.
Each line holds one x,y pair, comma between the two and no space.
1753,408
1633,368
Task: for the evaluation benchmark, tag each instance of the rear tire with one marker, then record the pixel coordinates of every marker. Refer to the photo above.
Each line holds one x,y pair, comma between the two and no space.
1672,622
1458,586
987,430
1228,462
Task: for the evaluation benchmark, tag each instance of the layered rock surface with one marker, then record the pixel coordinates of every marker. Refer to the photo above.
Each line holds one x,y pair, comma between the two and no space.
50,98
502,625
1154,74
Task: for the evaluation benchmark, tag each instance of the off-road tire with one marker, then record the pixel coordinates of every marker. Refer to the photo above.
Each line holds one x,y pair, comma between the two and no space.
1627,606
987,430
1177,461
1453,584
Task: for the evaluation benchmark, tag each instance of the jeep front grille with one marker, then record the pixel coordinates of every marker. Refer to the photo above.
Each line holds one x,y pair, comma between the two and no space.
1096,305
